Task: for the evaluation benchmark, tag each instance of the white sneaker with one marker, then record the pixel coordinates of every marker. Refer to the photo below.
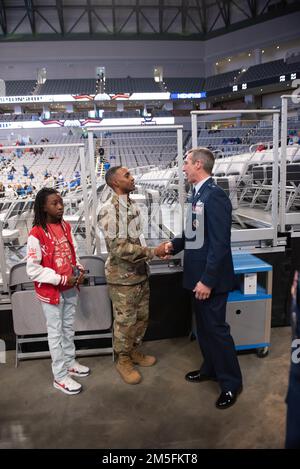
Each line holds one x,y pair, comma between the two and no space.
79,370
68,385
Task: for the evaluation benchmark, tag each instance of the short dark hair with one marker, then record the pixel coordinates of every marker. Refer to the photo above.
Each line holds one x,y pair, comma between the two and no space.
205,155
110,174
39,203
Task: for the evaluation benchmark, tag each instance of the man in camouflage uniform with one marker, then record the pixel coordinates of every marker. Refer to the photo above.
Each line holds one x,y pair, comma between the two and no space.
127,273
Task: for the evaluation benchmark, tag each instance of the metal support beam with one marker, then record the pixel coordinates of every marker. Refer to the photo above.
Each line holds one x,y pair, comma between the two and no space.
184,19
91,160
60,12
173,20
126,21
161,16
283,138
77,21
3,263
137,16
252,4
113,12
180,174
184,15
224,9
101,21
265,7
202,15
275,186
30,13
236,4
89,11
3,22
88,237
148,21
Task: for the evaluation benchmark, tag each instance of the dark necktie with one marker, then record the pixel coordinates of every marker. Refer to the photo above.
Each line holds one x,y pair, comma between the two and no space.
194,195
193,217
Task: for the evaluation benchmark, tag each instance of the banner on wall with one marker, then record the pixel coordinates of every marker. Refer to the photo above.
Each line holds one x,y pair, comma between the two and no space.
87,123
65,98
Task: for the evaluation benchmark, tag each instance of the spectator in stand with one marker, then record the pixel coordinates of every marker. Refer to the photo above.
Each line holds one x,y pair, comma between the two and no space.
106,166
2,190
20,190
28,189
10,193
25,170
261,147
49,181
77,177
18,150
31,176
60,180
10,176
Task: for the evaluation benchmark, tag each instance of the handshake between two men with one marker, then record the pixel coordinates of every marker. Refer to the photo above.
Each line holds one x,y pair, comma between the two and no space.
164,251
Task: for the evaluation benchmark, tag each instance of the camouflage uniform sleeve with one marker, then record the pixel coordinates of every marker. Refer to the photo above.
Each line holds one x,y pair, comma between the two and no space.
130,252
120,246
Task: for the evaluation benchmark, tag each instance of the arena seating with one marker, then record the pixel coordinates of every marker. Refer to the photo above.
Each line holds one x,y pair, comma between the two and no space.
69,86
131,85
216,82
223,80
19,87
185,85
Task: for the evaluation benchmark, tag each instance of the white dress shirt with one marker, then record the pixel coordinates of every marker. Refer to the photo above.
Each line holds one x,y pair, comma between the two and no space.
199,184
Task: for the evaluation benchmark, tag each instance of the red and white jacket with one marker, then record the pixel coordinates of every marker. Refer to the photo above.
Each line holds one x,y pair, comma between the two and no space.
40,263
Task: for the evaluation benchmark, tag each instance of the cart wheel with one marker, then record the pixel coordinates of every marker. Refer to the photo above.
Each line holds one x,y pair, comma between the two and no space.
262,352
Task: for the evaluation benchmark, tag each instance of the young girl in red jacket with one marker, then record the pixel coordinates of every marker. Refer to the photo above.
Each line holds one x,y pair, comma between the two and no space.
52,262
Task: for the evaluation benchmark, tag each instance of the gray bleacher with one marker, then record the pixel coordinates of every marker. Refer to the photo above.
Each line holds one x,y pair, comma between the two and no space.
161,113
19,87
118,114
68,86
184,85
148,85
268,70
131,85
139,148
18,117
221,81
69,115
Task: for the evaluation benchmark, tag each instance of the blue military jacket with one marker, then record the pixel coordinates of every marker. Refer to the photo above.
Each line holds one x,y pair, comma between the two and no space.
206,240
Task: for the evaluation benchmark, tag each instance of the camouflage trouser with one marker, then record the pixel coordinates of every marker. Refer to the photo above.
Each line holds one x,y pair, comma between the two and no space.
131,312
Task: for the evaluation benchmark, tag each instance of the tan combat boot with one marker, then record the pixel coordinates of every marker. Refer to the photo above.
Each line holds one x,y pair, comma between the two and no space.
127,371
139,358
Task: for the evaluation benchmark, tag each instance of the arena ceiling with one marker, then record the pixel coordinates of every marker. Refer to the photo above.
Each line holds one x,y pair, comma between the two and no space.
29,20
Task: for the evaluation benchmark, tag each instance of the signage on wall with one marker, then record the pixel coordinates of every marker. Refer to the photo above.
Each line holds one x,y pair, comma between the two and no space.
65,98
201,94
55,123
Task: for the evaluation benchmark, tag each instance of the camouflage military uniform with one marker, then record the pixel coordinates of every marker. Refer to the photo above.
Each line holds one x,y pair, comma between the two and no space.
126,271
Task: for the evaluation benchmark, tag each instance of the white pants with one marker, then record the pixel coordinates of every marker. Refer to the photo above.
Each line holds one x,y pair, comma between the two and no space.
60,319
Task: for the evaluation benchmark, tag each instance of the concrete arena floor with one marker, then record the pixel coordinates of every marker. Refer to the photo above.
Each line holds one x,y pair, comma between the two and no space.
164,411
